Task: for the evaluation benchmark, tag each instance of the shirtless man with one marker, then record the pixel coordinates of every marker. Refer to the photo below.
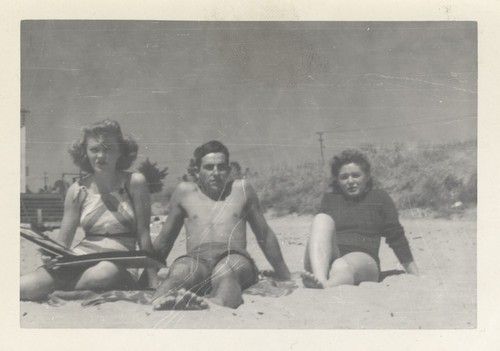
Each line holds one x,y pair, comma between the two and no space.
215,211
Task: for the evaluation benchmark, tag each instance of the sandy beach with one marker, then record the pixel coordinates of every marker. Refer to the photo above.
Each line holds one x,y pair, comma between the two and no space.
443,297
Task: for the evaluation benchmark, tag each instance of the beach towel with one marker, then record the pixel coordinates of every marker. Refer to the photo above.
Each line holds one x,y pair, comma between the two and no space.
266,287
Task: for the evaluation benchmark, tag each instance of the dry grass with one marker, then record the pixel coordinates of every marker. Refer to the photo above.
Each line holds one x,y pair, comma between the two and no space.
440,179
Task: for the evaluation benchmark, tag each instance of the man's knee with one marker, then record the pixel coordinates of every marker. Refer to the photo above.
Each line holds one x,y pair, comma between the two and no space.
234,266
233,263
184,266
188,273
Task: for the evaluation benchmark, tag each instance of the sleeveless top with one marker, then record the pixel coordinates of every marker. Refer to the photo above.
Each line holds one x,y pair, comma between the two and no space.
361,223
107,219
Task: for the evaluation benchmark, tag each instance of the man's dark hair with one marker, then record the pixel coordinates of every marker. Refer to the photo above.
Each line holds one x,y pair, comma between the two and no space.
208,148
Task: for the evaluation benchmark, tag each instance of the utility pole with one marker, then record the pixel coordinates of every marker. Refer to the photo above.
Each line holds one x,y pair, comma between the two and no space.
24,112
321,147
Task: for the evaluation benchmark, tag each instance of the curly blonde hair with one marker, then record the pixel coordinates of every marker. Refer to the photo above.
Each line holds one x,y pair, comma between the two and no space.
107,127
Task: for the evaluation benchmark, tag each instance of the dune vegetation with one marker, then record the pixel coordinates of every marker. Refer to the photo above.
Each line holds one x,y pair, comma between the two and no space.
439,180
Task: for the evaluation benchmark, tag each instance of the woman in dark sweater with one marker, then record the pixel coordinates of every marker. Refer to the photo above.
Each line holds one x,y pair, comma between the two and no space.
346,232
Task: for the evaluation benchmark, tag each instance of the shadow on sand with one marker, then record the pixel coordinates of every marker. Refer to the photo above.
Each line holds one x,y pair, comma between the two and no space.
385,274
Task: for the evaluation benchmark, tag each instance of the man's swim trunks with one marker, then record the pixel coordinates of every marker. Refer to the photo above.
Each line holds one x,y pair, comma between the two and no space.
210,254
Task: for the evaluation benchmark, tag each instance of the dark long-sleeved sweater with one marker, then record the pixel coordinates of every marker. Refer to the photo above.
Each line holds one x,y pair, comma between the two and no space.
362,222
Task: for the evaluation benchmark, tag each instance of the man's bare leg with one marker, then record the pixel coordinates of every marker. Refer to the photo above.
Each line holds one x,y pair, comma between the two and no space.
229,277
321,250
184,275
180,300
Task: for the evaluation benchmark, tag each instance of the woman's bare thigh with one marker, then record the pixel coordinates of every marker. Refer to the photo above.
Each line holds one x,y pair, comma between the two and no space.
363,266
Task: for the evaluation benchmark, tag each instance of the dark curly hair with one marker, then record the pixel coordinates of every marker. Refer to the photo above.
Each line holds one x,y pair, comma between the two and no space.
346,157
107,127
208,148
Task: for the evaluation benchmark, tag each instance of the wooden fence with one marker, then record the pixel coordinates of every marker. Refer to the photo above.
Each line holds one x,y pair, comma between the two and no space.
42,209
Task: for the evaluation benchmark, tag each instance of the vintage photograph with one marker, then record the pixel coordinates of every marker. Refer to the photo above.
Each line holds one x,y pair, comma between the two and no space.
249,174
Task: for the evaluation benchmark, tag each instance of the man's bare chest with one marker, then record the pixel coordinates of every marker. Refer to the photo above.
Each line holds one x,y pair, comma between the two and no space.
201,209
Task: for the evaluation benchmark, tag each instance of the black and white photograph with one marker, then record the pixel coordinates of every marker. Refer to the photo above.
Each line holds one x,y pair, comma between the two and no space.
267,174
309,175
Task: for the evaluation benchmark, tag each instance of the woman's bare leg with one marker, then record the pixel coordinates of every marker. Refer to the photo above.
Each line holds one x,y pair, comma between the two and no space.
37,285
321,250
352,269
104,275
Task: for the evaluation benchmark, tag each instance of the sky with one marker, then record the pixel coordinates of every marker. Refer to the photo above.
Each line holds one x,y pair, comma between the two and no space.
265,89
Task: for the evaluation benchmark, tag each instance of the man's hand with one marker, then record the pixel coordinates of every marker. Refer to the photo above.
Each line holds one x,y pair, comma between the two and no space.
153,280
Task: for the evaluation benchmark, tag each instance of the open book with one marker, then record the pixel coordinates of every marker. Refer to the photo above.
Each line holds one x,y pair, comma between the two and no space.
67,257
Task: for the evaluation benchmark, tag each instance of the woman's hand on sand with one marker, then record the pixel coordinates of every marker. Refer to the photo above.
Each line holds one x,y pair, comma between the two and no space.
411,268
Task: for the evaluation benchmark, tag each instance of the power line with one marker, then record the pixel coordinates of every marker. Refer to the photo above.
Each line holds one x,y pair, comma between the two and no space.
445,121
321,133
321,147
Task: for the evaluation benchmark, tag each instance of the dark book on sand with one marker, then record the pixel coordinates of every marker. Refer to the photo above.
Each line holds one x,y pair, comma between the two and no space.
66,257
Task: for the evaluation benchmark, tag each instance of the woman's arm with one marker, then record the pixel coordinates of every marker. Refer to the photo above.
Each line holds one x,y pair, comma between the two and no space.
411,268
142,208
395,235
71,216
